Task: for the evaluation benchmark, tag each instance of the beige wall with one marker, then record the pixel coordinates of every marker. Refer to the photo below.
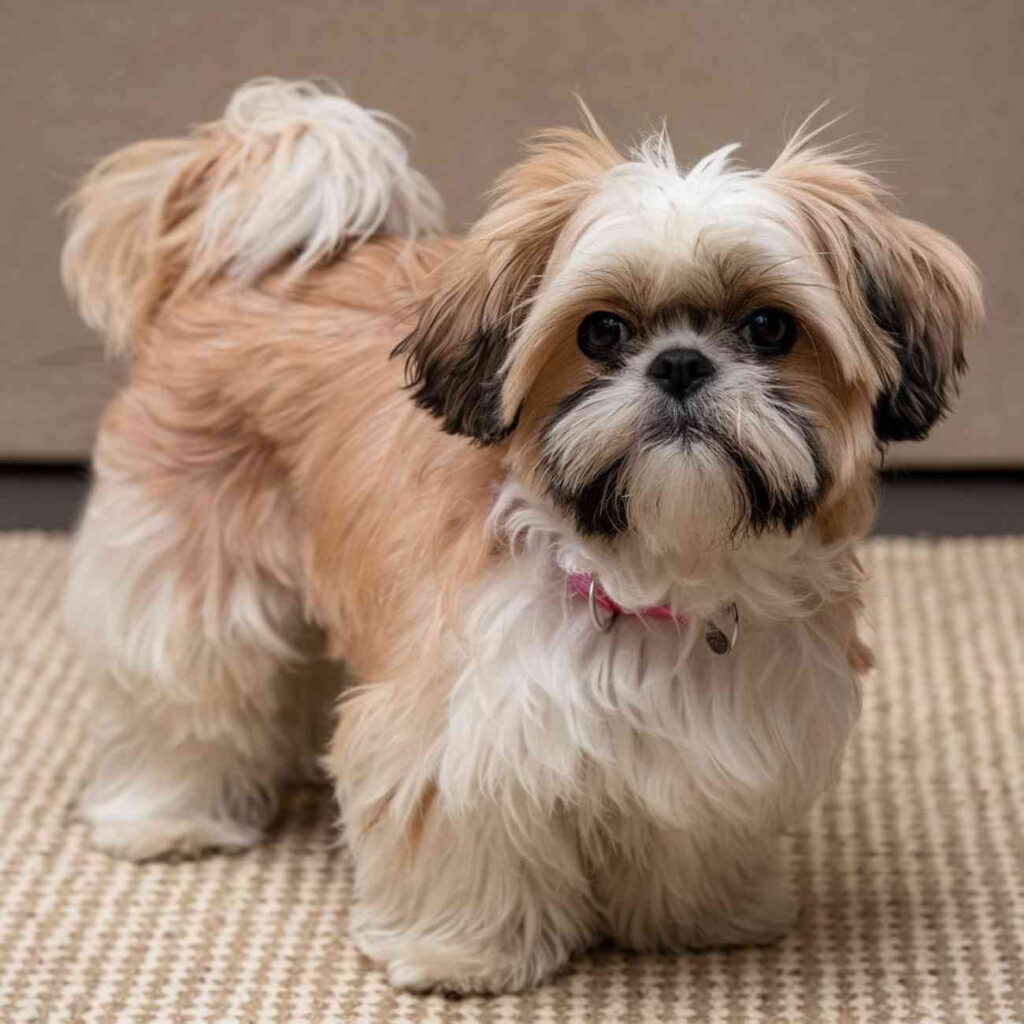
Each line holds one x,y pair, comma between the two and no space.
936,86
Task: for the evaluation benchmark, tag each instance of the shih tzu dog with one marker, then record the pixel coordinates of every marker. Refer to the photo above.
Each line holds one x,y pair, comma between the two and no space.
542,540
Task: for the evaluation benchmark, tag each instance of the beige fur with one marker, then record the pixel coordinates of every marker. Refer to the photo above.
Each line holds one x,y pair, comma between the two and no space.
268,494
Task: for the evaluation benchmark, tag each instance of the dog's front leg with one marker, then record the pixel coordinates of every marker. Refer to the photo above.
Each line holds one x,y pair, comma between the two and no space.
488,896
668,889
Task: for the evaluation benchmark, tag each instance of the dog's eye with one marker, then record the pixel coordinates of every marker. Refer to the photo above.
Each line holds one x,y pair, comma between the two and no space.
601,336
770,331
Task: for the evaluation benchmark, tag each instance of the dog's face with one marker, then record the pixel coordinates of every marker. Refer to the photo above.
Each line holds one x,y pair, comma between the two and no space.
693,358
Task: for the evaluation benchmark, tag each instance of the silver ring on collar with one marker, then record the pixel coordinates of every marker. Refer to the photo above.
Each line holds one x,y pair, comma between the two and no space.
601,627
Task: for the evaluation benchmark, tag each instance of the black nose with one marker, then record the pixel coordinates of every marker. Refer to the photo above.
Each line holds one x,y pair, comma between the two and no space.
680,371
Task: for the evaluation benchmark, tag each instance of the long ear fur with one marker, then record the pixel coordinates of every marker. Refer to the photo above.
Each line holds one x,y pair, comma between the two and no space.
914,293
456,354
926,296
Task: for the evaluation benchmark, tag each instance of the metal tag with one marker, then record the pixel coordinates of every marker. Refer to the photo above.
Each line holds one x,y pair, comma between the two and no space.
716,639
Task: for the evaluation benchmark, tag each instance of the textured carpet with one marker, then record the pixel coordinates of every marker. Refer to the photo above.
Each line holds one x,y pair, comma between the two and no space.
911,871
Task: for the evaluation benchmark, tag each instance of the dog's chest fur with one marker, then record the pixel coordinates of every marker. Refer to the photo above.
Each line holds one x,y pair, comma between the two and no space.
644,718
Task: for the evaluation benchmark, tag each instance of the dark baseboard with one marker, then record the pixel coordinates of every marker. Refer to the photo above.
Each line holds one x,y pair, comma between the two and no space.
958,504
913,503
42,496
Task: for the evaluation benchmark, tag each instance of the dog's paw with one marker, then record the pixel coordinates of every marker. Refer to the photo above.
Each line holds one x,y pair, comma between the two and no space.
182,839
763,920
452,979
413,976
420,965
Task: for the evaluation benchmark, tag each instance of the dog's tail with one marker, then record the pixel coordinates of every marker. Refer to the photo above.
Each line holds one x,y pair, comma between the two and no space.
291,176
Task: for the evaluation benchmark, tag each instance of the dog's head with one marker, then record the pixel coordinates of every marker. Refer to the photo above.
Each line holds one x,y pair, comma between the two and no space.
702,355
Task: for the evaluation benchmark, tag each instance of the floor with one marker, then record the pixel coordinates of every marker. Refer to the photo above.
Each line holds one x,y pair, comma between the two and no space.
36,497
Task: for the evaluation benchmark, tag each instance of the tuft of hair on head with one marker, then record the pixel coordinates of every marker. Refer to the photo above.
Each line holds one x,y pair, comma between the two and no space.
914,294
292,175
455,357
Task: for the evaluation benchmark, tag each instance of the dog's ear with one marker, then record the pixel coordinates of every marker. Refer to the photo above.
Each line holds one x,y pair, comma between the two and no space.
912,292
456,357
924,293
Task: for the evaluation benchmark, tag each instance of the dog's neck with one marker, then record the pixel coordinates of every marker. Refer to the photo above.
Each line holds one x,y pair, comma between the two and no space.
773,576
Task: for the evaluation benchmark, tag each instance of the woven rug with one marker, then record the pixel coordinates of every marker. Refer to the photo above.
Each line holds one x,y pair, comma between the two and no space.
911,870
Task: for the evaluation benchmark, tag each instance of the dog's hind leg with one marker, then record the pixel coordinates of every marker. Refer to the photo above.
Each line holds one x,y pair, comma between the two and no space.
210,689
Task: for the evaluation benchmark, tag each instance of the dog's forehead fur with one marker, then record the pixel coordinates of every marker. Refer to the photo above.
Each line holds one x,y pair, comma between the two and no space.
650,200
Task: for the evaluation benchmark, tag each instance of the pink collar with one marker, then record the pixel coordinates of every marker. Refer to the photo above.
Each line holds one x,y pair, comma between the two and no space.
585,584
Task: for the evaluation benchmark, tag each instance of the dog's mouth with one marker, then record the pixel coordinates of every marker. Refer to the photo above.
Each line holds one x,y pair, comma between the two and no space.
682,422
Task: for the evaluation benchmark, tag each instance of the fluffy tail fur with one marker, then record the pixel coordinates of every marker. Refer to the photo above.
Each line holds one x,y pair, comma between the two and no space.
292,174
